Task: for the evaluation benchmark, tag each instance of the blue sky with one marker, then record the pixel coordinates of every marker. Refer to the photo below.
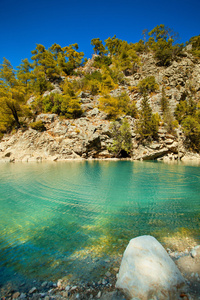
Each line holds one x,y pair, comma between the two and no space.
25,23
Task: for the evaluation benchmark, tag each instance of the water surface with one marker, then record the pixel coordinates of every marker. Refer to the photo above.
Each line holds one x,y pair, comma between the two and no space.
57,219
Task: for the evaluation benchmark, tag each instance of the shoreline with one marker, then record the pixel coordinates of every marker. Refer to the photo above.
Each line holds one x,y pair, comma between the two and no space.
104,288
190,160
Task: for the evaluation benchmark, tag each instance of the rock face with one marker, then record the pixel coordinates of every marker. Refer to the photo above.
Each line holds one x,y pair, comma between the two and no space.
83,138
147,272
90,136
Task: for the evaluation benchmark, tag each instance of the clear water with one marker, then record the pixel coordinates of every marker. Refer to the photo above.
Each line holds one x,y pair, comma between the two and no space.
60,219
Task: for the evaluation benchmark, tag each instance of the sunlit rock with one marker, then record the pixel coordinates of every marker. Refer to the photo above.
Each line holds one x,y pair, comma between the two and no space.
147,272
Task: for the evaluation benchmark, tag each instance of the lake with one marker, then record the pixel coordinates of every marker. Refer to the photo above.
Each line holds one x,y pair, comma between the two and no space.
70,218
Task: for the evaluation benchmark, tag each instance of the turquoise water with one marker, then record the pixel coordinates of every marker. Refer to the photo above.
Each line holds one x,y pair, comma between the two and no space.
57,218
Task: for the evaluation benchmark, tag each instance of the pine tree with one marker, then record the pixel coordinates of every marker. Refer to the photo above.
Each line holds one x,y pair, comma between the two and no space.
12,93
147,125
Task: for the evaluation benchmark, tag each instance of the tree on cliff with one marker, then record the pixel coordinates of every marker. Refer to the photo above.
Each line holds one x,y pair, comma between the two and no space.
147,125
161,42
122,139
98,46
12,96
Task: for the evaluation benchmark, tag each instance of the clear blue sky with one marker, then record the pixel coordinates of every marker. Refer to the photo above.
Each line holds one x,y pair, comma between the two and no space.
25,23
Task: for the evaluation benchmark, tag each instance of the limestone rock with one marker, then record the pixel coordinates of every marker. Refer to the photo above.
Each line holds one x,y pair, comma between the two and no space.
147,272
16,295
33,290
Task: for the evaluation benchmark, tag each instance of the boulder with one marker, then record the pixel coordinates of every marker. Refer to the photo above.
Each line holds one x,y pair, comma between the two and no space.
152,155
147,272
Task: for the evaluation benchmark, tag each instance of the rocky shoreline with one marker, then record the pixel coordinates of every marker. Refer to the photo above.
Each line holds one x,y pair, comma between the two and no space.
187,261
86,139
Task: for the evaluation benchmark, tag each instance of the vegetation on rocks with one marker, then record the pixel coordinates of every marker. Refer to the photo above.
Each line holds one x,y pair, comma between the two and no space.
122,142
155,81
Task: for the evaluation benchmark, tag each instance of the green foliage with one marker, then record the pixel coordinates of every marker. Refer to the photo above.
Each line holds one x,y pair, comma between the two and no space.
161,42
49,64
91,82
41,85
99,82
122,141
24,74
148,123
189,117
65,105
140,46
117,106
12,97
101,61
185,108
38,125
98,46
113,45
164,102
148,85
62,105
94,76
123,54
191,128
195,42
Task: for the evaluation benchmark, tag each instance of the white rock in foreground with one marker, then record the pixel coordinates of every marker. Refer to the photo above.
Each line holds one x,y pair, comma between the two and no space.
147,272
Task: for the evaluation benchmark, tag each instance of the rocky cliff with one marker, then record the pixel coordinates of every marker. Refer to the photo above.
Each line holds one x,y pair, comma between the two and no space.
90,136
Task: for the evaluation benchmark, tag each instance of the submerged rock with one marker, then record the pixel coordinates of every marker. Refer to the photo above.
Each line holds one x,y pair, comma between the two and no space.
147,271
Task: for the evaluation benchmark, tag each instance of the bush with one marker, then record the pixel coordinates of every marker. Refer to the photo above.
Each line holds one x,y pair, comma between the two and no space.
122,139
38,125
102,61
148,85
195,41
191,128
117,106
41,85
148,123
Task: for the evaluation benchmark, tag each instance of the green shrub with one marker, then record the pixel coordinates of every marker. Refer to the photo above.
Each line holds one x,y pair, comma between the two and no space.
63,105
195,41
148,85
122,138
117,106
148,123
191,128
100,61
38,125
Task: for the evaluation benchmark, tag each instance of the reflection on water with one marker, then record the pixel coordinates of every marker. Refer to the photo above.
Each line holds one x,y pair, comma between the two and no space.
57,217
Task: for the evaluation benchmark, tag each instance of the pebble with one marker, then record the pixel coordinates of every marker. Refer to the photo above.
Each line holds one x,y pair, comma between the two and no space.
99,295
65,294
22,296
67,288
59,283
108,274
42,295
73,288
103,281
77,296
16,295
46,298
193,253
33,290
45,283
116,270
